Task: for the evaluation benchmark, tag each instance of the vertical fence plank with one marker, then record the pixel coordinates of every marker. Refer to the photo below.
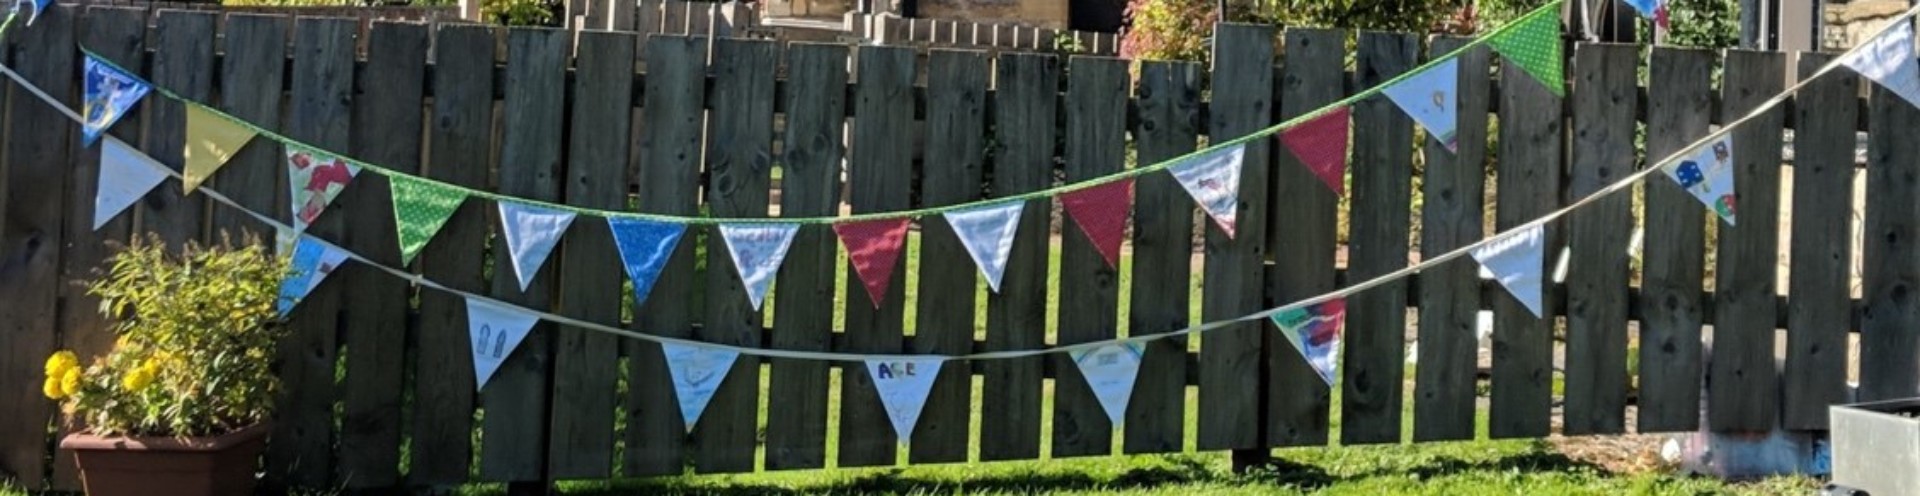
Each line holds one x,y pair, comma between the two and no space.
513,433
1096,127
182,62
1826,114
1382,190
1230,410
1168,98
320,115
1302,235
1529,185
880,178
1890,318
1745,392
809,186
954,171
251,86
461,139
739,163
1454,187
1603,134
1024,105
1678,99
585,361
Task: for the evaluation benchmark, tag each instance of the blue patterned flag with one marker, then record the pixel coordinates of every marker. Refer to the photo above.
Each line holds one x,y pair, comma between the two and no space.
645,246
697,372
312,262
1708,175
109,92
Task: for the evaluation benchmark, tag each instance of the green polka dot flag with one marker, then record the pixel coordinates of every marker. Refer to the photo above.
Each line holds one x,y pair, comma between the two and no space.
1534,43
420,208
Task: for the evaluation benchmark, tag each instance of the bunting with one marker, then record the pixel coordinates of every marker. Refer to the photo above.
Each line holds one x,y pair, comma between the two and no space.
697,372
1431,97
757,250
315,178
1518,261
496,330
1708,175
1101,213
1888,59
1110,371
211,141
1654,10
106,94
1214,181
37,5
903,384
126,175
1314,330
987,233
645,246
873,248
420,209
531,233
1534,44
311,263
1321,144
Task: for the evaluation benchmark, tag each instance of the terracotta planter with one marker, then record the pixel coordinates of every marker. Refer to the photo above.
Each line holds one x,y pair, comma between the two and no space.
111,466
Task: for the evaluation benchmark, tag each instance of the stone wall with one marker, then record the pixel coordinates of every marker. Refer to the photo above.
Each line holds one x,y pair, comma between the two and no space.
1849,23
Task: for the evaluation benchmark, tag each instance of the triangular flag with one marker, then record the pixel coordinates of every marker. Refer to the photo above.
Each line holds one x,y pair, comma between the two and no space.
1214,181
697,372
1888,59
1708,175
531,233
1518,260
496,330
873,248
125,176
1321,145
645,246
37,5
1101,212
757,250
107,93
312,262
420,209
1655,10
314,178
212,140
1431,97
1110,371
903,383
1534,43
1314,330
987,232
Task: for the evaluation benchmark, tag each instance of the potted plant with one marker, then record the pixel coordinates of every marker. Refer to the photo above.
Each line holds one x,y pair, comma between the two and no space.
181,403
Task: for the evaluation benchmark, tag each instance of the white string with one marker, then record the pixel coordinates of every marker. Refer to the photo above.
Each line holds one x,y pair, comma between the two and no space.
1622,185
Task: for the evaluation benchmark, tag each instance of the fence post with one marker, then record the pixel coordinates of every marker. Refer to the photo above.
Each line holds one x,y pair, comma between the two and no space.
1231,410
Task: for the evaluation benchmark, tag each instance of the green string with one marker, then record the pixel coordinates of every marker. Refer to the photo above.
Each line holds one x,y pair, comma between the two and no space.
1548,9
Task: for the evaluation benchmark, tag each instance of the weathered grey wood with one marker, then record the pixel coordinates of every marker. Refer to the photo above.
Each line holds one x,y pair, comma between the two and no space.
1454,187
1376,320
1603,144
1890,317
809,186
251,89
320,114
1023,140
739,169
1818,281
670,162
386,131
1168,97
954,171
182,63
1670,363
462,142
1096,128
585,362
1301,235
513,436
1745,391
1242,83
880,181
1529,186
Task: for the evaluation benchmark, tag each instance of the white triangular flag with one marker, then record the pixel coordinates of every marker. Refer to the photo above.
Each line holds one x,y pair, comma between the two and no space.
697,372
1518,261
903,384
1214,181
757,251
1708,176
125,176
531,234
496,330
987,233
1430,97
1110,371
1888,59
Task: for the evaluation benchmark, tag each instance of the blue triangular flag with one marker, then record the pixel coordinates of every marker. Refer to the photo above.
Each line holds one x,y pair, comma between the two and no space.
108,93
1110,371
645,246
697,372
1518,261
903,384
1888,59
125,176
531,234
1432,99
312,262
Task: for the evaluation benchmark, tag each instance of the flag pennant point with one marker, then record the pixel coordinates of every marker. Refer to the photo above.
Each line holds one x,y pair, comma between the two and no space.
212,140
126,175
312,261
107,94
873,248
757,250
1101,213
1321,145
531,232
645,246
420,209
987,233
1315,331
903,384
495,331
1432,98
314,179
1110,372
1518,261
1213,180
1888,59
697,372
1534,44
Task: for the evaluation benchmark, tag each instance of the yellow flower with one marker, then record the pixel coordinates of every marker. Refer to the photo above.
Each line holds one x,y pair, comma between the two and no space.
138,378
52,389
58,364
70,383
121,342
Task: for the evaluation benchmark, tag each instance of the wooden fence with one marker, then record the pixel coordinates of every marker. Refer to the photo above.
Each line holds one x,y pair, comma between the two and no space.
378,389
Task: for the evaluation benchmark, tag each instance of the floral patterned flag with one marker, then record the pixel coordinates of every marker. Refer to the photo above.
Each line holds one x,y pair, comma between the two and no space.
1101,213
1888,59
125,176
1110,371
1518,261
873,248
757,250
1432,98
212,140
697,372
645,246
903,384
420,209
312,262
1708,175
1534,44
987,233
1213,180
1314,331
1655,10
315,178
531,232
107,93
495,330
1321,145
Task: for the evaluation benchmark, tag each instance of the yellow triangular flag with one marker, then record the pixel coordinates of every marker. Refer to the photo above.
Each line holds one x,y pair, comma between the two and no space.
211,141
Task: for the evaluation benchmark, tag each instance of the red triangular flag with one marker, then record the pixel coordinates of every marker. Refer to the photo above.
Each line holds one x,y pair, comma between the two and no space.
1101,212
873,247
1321,144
